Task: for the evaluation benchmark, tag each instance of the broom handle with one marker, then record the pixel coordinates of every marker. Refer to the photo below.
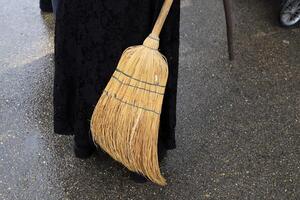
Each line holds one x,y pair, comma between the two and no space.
161,18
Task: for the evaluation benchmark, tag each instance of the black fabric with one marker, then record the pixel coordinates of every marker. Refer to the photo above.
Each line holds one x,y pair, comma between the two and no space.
46,6
90,38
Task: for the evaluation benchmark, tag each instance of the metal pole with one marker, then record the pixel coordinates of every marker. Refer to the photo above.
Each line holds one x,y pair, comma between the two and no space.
229,25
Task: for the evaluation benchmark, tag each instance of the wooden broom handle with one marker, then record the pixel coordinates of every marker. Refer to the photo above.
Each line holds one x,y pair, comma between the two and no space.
161,18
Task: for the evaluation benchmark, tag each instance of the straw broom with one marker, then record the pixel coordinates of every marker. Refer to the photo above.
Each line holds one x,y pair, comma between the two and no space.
125,122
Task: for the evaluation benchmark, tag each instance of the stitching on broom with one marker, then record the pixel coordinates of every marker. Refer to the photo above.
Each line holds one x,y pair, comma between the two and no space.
153,38
139,80
114,96
150,48
136,86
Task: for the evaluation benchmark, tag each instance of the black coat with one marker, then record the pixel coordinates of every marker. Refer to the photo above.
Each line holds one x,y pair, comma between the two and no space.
90,38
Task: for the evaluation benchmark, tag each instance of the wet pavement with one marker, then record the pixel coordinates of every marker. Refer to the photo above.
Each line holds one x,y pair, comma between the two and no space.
238,122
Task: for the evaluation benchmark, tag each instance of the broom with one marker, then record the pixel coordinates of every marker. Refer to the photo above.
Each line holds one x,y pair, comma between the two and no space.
125,122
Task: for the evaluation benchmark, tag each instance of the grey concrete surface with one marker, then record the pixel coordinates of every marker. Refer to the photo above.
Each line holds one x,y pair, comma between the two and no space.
238,122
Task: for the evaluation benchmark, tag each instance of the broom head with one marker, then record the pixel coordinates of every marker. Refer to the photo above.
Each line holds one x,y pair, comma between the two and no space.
125,122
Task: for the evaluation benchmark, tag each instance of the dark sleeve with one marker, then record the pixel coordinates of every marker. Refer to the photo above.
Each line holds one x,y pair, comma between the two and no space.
65,26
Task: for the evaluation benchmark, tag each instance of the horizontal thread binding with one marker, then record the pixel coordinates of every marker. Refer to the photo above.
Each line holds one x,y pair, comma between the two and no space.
118,70
121,82
115,97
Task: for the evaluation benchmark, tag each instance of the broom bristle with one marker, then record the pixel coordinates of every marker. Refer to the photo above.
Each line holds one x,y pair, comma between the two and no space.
126,119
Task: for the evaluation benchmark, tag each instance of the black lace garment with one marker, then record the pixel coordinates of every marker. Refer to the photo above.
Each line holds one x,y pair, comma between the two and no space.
90,38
